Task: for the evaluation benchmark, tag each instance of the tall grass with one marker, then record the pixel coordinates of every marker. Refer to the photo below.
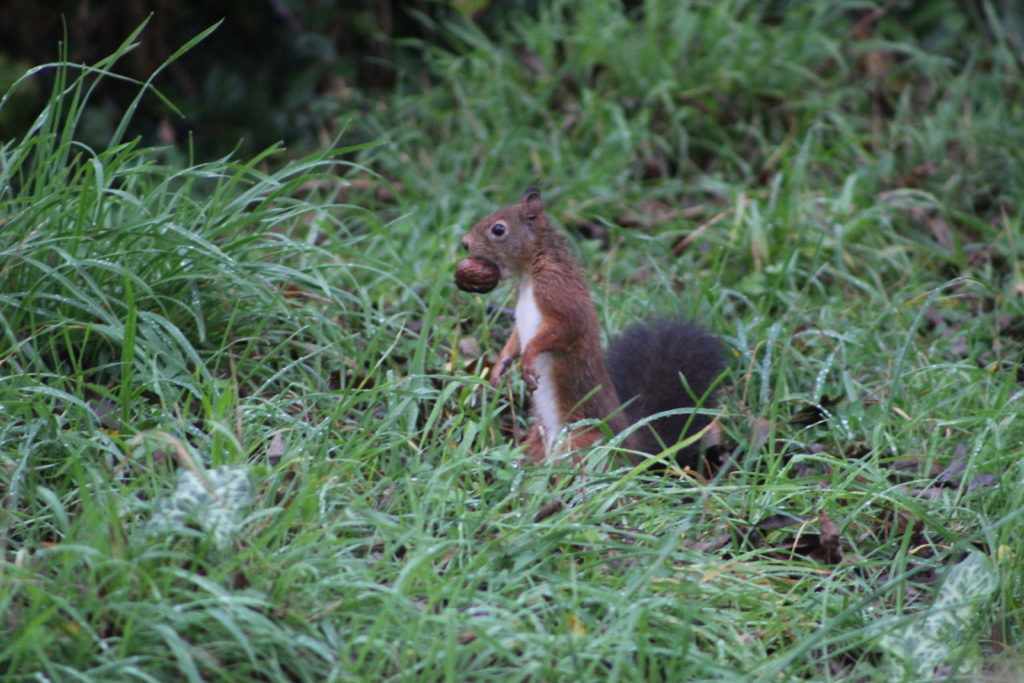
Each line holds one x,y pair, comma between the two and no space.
156,318
243,435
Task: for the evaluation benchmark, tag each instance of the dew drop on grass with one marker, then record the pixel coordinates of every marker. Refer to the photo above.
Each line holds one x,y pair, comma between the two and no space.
185,263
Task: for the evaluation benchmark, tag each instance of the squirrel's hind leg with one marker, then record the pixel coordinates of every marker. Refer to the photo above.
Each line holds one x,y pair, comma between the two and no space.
536,451
533,446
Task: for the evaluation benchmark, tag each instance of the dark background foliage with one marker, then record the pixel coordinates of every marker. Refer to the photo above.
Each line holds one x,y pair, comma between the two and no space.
294,70
274,69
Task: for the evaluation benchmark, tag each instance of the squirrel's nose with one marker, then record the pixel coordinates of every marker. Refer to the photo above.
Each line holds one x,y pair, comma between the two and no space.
465,244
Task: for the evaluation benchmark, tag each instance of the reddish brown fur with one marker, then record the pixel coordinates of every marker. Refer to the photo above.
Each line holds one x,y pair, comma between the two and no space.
568,330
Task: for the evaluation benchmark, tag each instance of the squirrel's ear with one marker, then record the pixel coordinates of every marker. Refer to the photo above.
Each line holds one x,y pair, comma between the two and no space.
531,202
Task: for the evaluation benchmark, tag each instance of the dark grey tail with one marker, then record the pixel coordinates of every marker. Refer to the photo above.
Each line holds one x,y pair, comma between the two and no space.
645,363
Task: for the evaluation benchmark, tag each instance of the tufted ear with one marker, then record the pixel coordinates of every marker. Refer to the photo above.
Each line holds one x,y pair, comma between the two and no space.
531,203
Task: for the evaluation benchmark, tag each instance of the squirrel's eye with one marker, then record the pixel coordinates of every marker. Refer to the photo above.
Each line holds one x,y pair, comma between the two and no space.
499,229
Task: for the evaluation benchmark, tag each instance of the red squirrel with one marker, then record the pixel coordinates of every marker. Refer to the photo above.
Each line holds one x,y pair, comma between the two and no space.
557,336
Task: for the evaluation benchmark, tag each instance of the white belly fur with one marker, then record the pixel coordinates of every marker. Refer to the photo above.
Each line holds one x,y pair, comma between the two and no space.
545,405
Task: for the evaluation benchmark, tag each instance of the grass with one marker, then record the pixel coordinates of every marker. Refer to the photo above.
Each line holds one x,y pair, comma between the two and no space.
243,434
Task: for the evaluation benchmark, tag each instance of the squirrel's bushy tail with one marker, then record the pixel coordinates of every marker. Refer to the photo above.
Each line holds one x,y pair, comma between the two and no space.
645,363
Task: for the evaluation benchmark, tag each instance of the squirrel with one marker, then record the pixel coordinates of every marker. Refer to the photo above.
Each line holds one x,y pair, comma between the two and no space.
557,336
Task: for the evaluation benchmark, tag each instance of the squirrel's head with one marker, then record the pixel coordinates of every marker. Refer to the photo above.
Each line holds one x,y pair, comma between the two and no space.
508,237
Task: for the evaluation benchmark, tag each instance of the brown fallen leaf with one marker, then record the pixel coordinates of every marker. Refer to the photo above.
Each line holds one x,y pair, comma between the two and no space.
275,449
829,550
814,413
469,346
548,509
714,543
779,521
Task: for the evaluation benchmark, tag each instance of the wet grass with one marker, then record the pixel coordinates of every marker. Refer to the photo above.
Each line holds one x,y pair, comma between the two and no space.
242,434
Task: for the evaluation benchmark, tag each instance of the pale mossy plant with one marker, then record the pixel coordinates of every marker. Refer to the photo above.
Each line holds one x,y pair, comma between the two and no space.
215,500
942,640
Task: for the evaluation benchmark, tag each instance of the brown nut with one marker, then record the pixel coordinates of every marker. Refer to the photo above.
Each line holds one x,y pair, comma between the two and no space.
475,274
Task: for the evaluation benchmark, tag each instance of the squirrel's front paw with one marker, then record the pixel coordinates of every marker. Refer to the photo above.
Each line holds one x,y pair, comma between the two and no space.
498,371
531,377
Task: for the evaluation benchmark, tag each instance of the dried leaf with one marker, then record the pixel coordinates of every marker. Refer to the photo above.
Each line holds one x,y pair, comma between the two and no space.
760,430
915,467
952,474
983,479
275,450
779,521
469,346
941,232
829,550
714,543
576,626
532,61
548,509
813,413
